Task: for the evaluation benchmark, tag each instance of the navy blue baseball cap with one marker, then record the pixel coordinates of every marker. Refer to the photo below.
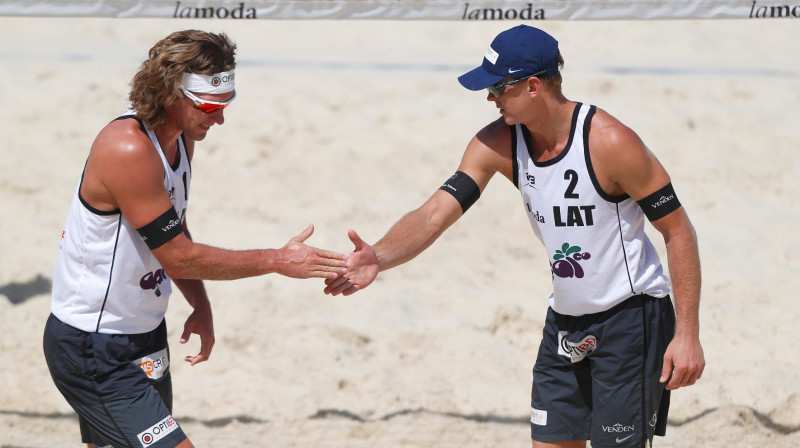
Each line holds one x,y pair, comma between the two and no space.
515,53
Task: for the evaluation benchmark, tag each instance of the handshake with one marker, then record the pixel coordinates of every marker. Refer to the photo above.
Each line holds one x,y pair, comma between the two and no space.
343,274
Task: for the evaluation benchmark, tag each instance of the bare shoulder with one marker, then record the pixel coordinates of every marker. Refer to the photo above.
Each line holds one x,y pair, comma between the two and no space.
495,136
621,160
490,149
489,152
121,138
608,133
121,157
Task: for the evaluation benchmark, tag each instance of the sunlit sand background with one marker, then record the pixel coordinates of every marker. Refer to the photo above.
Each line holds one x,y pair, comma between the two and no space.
350,124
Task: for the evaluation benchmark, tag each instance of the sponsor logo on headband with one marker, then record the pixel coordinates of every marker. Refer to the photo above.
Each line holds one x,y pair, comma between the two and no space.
222,82
217,80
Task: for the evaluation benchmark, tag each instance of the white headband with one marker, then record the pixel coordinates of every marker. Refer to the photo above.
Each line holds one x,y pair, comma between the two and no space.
217,83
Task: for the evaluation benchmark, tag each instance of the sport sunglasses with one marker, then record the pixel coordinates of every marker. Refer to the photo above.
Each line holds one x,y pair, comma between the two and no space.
498,89
206,105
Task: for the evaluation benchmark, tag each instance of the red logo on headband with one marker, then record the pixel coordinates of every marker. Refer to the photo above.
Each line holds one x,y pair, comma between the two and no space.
215,81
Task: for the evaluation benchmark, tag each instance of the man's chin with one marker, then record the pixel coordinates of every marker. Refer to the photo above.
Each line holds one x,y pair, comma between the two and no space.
509,121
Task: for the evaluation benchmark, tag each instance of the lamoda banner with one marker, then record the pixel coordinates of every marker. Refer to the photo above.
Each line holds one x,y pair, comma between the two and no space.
410,10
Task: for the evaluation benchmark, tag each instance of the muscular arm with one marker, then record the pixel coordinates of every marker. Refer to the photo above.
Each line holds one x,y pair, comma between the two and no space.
124,172
182,258
625,165
684,358
417,230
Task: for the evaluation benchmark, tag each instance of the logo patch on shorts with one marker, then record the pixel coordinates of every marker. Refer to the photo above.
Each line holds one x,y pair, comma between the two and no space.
158,431
538,417
576,351
154,365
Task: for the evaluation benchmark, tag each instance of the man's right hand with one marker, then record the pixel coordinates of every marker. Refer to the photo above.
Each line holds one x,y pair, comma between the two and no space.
299,260
362,268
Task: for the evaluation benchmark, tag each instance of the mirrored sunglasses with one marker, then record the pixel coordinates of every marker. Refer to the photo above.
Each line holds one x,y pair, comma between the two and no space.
498,89
206,105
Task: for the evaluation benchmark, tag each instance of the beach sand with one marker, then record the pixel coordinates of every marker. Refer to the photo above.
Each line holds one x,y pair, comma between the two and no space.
349,124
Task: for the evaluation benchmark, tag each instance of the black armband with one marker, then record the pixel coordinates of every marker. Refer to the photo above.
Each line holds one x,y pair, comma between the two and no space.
162,229
660,204
463,188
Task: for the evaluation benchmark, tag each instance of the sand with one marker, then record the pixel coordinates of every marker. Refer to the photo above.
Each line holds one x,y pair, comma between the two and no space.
348,124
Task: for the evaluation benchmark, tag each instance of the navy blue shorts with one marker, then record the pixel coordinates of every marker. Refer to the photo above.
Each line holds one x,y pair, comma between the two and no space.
119,384
596,376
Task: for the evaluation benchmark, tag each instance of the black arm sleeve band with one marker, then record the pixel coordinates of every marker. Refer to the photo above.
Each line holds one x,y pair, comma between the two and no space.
463,188
660,204
162,229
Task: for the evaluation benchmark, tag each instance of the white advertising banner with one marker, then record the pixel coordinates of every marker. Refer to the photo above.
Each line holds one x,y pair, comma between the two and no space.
410,9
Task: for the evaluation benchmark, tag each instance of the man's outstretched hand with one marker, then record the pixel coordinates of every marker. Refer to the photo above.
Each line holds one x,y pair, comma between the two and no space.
299,260
362,268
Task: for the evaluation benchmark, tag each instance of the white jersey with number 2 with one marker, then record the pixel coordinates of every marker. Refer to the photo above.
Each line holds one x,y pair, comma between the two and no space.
598,251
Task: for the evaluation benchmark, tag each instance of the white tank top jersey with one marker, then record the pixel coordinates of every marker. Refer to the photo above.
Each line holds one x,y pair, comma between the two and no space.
598,252
106,279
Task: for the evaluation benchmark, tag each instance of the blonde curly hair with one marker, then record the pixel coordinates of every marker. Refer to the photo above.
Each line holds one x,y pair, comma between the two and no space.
157,83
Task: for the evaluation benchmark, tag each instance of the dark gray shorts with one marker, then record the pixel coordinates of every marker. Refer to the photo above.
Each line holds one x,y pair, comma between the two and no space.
119,384
597,376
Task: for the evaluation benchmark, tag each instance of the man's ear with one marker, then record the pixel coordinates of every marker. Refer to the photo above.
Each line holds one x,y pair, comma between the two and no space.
534,86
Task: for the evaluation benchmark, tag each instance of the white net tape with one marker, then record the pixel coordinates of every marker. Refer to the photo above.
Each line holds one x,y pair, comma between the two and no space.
410,10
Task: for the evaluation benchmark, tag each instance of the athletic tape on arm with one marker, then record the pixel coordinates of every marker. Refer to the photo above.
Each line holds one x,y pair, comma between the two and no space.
660,204
463,188
162,229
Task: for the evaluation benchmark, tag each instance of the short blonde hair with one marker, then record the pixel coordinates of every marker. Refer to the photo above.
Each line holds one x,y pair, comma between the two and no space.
157,83
555,80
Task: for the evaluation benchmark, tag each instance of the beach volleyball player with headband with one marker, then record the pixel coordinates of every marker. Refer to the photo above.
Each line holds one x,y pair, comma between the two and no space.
126,240
214,84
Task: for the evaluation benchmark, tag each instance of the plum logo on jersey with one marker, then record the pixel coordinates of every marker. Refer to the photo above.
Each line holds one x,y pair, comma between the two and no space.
158,431
151,280
565,261
576,351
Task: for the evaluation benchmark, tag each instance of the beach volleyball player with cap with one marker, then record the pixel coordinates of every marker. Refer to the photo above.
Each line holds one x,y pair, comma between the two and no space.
612,348
126,241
